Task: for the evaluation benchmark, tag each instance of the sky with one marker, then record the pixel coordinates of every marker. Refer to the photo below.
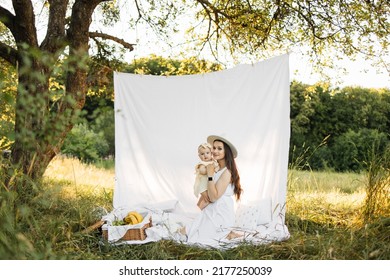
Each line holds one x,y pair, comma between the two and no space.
360,73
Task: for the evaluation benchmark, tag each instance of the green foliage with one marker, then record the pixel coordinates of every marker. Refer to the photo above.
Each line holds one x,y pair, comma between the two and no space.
326,31
36,108
13,243
110,12
107,163
104,125
157,65
351,119
85,144
7,105
322,158
44,108
18,218
352,148
98,113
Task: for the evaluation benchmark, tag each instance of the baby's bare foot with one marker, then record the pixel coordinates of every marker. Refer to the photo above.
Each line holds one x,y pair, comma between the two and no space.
233,235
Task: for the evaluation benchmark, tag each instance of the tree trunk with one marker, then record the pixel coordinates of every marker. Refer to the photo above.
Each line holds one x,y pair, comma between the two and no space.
40,132
29,152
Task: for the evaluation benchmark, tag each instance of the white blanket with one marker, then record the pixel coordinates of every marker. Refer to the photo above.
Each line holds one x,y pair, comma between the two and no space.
160,122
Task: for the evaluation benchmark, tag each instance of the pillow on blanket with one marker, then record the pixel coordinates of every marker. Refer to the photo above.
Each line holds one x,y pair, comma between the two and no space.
254,213
246,216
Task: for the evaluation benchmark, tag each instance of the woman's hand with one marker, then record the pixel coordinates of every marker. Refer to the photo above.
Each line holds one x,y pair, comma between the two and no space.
210,170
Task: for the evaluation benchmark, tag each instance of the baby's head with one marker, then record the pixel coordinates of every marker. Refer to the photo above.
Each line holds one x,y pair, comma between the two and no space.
204,152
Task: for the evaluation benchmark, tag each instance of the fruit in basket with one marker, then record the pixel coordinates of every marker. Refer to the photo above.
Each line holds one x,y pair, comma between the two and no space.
118,223
133,218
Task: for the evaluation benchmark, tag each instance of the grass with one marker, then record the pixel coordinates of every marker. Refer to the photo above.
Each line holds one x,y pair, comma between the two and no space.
324,217
79,174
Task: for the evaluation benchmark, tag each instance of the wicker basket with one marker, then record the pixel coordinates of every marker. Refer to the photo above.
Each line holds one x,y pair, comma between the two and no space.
131,233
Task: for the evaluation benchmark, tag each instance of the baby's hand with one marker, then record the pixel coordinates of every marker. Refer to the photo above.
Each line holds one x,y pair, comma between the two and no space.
205,196
202,204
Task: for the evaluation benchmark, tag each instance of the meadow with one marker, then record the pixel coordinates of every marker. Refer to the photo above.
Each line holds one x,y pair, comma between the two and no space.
325,217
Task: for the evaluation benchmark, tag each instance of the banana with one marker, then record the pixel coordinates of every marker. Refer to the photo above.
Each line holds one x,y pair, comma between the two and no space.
137,215
133,218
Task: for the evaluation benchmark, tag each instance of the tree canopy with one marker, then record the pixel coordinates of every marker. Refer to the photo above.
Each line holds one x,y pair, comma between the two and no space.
325,29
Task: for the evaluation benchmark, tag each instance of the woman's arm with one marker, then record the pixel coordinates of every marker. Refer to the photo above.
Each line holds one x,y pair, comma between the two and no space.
216,189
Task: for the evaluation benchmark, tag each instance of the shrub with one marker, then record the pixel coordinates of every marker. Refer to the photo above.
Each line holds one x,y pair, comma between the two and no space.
104,124
84,144
322,159
352,148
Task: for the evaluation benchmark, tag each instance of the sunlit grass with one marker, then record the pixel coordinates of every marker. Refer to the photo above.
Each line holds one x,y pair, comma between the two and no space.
324,217
76,177
326,181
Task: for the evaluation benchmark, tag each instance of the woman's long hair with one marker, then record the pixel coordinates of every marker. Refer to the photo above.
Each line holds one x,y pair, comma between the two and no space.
231,165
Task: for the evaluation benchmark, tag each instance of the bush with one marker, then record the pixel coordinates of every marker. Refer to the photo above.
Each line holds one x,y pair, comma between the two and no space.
104,123
321,159
85,144
351,149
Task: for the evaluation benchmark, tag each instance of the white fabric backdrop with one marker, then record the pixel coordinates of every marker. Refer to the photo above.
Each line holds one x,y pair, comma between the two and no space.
160,121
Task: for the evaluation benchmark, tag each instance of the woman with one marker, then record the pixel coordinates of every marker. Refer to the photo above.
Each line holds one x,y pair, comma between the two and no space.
216,219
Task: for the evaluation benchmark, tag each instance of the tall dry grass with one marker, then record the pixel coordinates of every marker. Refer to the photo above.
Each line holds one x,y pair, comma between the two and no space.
377,199
324,214
80,177
73,170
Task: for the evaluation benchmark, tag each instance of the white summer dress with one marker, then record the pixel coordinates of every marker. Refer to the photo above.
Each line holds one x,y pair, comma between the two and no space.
215,220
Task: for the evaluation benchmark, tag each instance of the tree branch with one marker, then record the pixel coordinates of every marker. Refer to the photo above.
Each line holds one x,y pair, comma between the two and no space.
25,30
55,35
112,38
7,18
206,3
8,53
78,38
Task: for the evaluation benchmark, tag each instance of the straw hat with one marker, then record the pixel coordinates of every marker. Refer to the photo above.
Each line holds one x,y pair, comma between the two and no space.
213,138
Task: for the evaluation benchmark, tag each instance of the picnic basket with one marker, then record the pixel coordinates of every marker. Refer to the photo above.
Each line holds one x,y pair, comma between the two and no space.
131,232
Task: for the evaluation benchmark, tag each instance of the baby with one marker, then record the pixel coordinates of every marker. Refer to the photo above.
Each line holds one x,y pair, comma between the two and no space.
200,186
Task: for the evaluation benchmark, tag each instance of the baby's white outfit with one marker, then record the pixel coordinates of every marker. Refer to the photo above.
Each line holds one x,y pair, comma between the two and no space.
200,184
